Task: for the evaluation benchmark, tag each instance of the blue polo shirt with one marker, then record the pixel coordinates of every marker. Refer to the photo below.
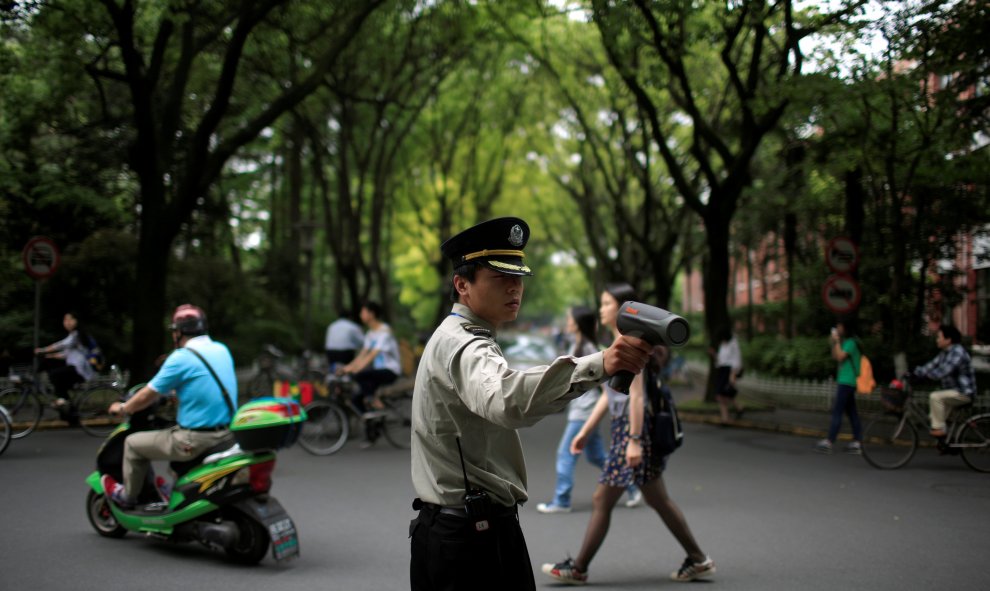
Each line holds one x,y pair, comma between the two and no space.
200,399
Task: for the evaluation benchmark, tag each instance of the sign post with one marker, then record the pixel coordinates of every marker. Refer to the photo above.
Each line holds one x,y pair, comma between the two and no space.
41,258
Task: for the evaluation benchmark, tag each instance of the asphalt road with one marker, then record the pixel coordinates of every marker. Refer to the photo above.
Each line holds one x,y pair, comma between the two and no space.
772,514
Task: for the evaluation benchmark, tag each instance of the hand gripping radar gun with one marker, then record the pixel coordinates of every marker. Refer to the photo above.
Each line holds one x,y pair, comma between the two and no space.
654,325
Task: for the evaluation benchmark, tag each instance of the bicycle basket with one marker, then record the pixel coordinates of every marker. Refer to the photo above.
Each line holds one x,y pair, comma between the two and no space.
893,399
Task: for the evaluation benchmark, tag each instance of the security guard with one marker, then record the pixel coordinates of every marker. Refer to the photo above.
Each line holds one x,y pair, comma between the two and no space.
468,468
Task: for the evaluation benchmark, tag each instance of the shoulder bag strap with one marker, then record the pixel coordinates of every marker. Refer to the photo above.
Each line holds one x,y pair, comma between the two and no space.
226,397
654,396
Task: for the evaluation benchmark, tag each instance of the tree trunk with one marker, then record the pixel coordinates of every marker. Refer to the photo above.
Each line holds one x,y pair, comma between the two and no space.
716,282
790,252
148,334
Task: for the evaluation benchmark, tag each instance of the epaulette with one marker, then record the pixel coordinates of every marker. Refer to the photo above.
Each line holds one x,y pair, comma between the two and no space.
476,330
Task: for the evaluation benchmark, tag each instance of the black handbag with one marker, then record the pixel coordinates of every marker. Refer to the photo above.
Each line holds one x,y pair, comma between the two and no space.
663,423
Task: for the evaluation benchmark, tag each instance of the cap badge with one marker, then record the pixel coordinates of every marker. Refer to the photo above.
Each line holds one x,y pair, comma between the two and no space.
516,235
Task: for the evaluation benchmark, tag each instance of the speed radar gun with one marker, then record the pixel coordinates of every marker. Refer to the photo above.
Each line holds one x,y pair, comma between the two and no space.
654,325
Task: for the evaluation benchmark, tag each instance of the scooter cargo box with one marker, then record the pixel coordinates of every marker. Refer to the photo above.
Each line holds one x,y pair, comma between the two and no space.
268,423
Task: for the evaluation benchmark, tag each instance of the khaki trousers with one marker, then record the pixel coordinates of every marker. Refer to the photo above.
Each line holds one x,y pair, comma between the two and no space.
175,443
941,403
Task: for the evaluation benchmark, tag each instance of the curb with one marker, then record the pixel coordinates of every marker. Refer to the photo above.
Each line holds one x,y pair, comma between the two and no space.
789,429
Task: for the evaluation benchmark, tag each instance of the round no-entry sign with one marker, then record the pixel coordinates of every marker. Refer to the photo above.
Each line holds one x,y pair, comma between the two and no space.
841,294
841,255
40,257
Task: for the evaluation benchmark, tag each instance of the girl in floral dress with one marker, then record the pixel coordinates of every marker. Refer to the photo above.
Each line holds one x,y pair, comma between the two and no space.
630,461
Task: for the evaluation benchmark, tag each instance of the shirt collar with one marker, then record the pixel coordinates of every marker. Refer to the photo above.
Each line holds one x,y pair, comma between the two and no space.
199,340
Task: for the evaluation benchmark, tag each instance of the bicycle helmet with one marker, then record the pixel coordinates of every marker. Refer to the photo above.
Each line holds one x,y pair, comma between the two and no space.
189,320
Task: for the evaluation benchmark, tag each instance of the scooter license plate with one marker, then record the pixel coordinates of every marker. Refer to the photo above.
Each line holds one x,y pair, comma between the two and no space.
281,529
285,541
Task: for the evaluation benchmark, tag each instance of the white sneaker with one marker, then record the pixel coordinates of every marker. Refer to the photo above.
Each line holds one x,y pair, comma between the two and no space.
692,570
552,508
635,499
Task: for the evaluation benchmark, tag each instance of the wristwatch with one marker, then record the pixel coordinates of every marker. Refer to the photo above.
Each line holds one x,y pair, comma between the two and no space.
638,437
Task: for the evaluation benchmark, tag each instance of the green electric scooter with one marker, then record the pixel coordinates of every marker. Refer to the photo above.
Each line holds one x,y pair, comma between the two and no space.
219,498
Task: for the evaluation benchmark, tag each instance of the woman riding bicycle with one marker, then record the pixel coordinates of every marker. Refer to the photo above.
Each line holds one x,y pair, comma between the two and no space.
74,351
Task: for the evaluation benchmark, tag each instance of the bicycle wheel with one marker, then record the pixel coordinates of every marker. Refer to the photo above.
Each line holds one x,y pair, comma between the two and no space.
397,426
92,408
23,409
6,431
975,441
326,428
889,441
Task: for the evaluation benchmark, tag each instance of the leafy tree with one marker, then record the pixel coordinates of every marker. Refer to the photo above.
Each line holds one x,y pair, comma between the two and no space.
463,173
600,156
172,80
378,93
902,153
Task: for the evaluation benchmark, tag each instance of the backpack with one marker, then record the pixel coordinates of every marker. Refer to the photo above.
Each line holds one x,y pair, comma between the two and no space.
662,421
865,384
94,354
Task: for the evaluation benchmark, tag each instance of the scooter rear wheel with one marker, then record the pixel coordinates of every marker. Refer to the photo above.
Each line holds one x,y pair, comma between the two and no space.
100,516
253,540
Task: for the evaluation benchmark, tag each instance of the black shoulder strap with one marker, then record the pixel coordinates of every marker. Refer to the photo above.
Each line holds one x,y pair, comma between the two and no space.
654,394
226,397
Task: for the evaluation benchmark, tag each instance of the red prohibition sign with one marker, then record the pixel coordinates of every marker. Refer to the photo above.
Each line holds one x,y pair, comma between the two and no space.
841,255
841,294
41,257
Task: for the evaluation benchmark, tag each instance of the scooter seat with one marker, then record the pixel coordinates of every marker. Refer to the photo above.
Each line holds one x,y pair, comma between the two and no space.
180,467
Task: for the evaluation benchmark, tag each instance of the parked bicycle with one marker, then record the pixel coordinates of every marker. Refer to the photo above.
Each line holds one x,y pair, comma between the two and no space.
891,440
331,415
273,367
262,382
30,397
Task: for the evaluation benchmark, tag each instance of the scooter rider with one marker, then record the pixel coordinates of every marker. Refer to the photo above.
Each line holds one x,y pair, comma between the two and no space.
203,416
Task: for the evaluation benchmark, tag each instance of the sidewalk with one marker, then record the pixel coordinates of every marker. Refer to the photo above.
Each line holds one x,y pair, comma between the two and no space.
804,423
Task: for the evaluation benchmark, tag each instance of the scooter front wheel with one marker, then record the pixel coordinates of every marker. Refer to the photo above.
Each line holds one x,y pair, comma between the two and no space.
101,517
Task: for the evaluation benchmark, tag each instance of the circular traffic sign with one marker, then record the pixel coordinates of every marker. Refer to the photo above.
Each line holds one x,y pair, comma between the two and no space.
41,257
841,294
841,255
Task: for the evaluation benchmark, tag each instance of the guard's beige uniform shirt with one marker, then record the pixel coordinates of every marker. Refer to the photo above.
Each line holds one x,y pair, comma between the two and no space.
465,388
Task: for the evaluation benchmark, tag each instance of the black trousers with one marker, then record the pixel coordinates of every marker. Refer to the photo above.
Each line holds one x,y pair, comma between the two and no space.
370,380
337,357
449,553
63,379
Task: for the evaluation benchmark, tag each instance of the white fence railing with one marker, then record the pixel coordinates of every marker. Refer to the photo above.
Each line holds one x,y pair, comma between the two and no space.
804,394
793,393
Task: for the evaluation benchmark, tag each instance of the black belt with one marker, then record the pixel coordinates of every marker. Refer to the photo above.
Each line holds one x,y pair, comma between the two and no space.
216,428
496,510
